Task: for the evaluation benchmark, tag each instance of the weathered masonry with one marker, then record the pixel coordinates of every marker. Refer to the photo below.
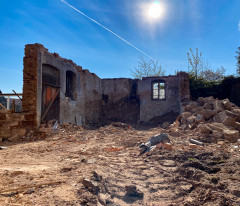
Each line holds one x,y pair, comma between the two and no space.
57,89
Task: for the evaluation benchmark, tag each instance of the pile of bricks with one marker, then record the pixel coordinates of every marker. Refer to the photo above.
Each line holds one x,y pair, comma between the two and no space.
13,126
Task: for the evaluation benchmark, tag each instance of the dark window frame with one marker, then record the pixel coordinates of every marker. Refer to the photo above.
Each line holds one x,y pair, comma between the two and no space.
158,82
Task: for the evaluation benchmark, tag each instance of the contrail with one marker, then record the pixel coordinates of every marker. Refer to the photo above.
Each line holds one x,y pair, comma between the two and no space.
107,29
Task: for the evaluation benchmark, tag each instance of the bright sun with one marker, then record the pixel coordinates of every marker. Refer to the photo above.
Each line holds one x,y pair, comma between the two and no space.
155,10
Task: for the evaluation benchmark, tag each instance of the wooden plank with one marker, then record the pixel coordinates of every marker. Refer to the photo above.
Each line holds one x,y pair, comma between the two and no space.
45,113
17,95
13,109
3,107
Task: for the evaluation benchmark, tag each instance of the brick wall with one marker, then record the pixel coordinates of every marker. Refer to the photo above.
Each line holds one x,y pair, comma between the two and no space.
30,61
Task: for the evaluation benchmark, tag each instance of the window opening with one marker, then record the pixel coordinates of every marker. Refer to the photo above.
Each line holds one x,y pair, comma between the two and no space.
70,85
158,90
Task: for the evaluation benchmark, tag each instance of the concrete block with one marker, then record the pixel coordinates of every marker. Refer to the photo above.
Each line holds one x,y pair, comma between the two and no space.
29,117
9,123
220,117
218,106
2,116
19,131
28,124
207,113
227,104
231,135
15,116
5,132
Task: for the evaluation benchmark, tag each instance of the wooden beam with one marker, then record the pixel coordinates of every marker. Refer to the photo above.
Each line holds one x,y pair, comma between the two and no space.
13,108
45,113
10,95
17,95
3,107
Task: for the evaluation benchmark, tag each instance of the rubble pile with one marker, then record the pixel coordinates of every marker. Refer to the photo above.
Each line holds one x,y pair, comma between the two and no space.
214,119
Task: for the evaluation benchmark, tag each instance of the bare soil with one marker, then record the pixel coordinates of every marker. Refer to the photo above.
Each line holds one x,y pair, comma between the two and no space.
48,169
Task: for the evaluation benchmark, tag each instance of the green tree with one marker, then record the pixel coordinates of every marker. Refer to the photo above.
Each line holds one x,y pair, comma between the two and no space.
147,68
238,61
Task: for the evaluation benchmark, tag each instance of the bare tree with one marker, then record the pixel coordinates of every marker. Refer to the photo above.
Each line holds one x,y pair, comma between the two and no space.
147,68
213,75
195,63
200,68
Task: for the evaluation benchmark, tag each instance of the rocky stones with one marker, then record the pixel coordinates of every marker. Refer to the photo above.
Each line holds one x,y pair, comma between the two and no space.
92,186
211,117
132,190
169,163
231,135
227,104
205,129
14,138
96,176
218,106
191,119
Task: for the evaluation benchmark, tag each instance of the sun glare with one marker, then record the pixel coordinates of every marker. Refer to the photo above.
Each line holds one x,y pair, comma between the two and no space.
155,10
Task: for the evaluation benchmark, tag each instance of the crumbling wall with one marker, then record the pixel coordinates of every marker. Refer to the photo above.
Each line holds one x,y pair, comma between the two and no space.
150,108
89,106
31,64
15,125
184,85
84,98
79,100
120,101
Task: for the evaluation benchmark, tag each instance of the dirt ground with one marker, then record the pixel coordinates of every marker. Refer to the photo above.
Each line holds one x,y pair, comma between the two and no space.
50,169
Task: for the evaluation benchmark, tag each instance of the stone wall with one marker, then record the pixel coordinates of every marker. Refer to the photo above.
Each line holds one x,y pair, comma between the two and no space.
15,125
85,104
150,108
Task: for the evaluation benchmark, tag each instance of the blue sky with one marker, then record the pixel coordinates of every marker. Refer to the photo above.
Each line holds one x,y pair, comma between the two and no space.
213,26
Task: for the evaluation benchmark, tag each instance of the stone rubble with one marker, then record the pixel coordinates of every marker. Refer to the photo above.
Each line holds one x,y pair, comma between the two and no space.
215,119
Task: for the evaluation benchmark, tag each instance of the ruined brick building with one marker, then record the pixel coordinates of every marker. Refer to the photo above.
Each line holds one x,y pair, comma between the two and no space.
57,89
84,98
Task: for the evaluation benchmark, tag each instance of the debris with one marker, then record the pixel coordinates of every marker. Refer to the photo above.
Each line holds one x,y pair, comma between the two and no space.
113,149
169,163
231,135
121,125
92,186
55,129
1,148
91,161
17,190
152,142
11,194
97,177
165,125
66,169
29,191
133,191
196,142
